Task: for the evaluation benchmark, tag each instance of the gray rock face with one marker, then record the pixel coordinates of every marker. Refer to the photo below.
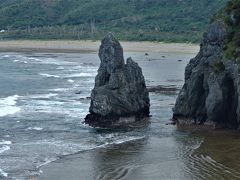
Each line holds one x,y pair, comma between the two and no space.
120,91
211,93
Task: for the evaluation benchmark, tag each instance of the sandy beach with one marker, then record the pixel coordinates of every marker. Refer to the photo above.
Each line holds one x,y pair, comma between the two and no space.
93,46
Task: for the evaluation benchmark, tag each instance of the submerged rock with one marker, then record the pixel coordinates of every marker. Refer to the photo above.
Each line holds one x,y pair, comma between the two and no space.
211,93
120,95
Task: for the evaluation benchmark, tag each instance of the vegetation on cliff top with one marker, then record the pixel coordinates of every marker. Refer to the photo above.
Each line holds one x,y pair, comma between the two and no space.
154,20
232,20
230,15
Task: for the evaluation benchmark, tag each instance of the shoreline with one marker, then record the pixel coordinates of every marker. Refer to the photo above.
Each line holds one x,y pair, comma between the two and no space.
88,46
84,159
80,166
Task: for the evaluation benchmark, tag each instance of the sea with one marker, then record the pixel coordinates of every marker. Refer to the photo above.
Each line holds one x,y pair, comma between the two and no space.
44,98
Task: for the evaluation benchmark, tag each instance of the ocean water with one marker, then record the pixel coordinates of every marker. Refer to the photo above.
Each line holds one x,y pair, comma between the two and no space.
44,98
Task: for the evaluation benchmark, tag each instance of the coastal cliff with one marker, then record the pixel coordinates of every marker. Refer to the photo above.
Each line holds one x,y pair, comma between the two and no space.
120,95
211,93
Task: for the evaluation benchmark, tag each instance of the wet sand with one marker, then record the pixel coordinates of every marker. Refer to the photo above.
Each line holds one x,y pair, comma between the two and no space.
216,158
93,46
138,160
223,147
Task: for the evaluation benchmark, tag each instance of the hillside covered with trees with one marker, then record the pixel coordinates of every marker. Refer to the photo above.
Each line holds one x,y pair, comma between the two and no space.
153,20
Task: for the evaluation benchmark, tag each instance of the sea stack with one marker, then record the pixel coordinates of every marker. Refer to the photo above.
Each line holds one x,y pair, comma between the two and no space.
120,96
210,96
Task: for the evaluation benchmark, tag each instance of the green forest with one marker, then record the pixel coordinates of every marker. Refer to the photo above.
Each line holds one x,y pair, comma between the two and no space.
232,19
138,20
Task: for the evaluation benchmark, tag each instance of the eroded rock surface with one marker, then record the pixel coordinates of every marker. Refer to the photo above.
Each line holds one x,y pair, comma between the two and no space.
211,93
120,95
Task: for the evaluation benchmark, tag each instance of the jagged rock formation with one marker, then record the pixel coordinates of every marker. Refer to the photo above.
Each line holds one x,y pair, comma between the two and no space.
211,93
120,95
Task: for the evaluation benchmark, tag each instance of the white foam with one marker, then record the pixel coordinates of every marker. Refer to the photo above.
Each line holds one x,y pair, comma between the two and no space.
49,75
60,68
70,80
35,128
25,62
51,61
47,104
81,75
9,111
54,61
49,95
35,59
7,105
4,174
46,161
44,95
4,148
198,145
16,60
10,100
5,142
67,148
5,56
60,89
128,139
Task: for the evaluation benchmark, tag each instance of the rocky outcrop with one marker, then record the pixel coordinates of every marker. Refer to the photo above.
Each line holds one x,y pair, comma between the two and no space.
120,95
211,93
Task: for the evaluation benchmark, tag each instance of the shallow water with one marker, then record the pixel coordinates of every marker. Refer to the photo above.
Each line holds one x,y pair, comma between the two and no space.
43,100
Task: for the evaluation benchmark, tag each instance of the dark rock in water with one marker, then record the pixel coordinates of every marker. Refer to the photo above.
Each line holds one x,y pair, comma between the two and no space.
120,95
211,93
78,92
146,54
86,98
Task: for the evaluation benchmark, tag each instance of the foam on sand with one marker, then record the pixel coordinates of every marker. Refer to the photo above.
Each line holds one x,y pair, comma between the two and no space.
3,174
8,105
4,148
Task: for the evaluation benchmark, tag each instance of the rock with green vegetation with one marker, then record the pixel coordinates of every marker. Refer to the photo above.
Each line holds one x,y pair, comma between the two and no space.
232,19
211,93
120,96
